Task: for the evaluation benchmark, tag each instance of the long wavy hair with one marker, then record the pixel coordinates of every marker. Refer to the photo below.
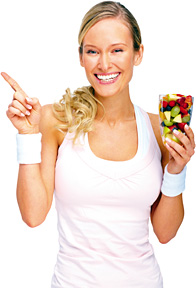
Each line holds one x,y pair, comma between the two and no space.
77,111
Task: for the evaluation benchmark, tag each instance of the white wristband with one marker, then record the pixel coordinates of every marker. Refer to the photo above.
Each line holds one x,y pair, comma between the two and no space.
173,184
28,148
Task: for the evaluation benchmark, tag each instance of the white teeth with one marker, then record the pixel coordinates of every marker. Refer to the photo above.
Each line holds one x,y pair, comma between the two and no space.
107,77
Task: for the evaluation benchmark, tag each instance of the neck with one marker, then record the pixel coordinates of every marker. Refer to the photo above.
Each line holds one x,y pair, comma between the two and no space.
117,108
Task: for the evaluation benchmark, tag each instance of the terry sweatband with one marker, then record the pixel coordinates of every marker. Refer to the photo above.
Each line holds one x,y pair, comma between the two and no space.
173,184
28,148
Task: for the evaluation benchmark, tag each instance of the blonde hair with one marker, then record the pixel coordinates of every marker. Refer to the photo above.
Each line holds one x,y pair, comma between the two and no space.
77,112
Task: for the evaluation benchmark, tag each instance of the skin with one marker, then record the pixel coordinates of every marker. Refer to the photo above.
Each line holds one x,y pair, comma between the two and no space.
108,49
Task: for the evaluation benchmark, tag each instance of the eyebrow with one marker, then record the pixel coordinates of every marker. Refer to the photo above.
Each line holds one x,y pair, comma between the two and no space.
115,44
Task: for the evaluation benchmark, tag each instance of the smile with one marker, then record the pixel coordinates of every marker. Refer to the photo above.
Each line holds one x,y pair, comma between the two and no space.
107,77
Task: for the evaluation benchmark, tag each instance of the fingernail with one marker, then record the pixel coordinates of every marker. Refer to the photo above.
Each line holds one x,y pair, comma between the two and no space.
22,115
29,100
29,106
27,113
176,132
168,140
186,126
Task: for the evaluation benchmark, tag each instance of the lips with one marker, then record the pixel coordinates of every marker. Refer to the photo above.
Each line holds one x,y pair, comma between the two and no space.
105,78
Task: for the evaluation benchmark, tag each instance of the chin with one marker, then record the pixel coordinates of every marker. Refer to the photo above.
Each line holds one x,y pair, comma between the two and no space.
107,93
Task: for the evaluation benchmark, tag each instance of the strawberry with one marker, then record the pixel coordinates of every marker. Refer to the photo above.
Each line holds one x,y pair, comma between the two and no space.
181,126
185,105
183,111
172,127
180,95
164,104
180,101
172,103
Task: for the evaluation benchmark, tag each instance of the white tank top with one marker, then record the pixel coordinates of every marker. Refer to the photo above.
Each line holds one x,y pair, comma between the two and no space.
103,212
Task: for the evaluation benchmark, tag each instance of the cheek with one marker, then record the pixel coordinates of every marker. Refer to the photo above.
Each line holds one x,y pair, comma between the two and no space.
88,64
127,68
125,62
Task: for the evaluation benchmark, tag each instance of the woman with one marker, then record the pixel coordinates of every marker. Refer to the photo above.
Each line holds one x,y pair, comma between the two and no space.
100,153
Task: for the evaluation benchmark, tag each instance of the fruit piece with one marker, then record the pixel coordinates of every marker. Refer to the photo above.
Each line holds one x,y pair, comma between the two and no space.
172,127
176,139
162,116
162,109
166,130
172,103
189,105
180,101
167,115
168,123
183,111
172,137
181,126
168,108
185,105
165,98
175,111
172,97
164,104
189,99
178,119
186,119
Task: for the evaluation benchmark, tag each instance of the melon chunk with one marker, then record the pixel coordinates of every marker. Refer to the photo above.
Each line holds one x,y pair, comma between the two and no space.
178,119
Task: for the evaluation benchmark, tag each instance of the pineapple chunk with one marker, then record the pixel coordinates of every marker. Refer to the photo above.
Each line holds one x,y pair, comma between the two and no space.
173,97
167,115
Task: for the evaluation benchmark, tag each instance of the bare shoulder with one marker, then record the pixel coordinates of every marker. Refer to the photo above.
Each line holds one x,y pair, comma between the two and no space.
154,118
47,119
49,123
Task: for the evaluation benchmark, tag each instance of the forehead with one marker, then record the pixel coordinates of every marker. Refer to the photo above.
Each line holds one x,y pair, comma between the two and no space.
108,31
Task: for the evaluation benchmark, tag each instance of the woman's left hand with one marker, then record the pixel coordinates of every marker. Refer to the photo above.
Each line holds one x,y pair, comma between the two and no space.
180,155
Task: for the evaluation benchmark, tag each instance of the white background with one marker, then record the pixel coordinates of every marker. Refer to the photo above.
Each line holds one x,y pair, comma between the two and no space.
38,47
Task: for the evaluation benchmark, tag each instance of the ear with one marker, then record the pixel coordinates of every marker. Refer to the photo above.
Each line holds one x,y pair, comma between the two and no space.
139,55
81,57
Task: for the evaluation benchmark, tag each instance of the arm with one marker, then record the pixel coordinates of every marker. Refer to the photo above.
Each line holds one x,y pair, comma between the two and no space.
35,181
167,212
166,216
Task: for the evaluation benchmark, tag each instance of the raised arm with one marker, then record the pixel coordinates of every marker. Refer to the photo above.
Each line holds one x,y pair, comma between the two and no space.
35,181
168,212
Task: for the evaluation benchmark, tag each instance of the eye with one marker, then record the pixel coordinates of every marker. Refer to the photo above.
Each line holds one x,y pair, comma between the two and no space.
93,52
118,50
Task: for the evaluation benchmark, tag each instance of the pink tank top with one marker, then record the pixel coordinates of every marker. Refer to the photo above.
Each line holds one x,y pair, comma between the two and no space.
103,212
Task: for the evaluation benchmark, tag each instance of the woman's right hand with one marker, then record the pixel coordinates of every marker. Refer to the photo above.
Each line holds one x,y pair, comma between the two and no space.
23,112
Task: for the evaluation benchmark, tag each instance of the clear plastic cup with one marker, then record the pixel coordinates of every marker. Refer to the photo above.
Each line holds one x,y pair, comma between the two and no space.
175,111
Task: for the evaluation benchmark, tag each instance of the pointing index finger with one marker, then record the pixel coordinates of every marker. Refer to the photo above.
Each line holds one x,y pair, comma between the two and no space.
11,81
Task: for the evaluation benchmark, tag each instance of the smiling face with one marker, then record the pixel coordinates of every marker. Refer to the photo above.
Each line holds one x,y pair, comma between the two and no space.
108,57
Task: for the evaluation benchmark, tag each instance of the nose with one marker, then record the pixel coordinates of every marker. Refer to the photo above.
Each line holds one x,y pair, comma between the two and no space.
104,62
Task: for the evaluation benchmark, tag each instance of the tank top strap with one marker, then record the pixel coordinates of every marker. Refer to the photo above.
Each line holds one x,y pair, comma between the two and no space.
151,135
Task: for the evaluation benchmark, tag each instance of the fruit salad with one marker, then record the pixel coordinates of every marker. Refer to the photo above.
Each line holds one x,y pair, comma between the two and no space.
175,111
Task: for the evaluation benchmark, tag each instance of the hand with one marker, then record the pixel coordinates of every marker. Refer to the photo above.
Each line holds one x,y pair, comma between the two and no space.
23,112
180,155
